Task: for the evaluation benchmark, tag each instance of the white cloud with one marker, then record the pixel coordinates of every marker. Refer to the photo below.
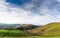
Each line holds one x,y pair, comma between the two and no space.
9,14
58,0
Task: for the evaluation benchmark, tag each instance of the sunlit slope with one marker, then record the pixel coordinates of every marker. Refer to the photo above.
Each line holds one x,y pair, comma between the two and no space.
52,29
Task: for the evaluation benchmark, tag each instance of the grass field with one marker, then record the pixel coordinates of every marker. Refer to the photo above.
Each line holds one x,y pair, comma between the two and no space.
12,33
17,34
30,37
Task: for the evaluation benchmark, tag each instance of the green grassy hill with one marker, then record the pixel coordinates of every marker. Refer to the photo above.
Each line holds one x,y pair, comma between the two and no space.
51,29
12,33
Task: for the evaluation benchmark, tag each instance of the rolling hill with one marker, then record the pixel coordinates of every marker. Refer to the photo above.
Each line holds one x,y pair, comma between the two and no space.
51,29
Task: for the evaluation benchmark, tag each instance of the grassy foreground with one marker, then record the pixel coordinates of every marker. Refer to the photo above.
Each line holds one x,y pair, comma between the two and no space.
12,33
30,37
17,34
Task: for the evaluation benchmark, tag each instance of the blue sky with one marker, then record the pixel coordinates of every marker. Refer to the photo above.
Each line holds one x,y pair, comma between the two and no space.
38,12
18,2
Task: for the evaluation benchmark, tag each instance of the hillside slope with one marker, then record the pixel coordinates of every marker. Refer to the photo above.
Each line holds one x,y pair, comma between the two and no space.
51,29
13,33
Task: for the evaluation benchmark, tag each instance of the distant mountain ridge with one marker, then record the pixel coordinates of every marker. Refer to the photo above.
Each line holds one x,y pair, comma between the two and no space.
18,26
3,26
26,27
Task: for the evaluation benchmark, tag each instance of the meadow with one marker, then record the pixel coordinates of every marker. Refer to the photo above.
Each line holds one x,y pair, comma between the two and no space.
11,33
18,34
51,30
